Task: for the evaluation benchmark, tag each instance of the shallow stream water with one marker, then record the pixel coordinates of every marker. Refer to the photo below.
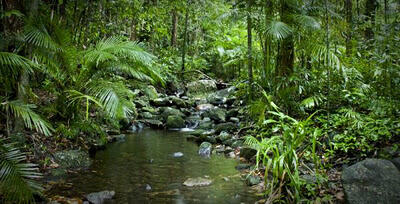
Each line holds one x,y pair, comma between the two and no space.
146,159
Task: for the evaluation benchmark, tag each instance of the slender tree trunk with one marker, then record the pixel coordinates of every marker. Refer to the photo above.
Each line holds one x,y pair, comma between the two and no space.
267,41
249,47
285,58
174,27
370,11
185,35
349,20
133,36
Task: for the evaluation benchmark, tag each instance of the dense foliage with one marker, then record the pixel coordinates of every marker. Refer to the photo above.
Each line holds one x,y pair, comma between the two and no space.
321,78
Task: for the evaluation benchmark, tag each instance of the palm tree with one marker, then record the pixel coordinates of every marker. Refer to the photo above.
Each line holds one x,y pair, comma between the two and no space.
106,68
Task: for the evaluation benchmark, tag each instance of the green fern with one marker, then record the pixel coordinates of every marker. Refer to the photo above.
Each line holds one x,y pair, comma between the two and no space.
30,118
17,178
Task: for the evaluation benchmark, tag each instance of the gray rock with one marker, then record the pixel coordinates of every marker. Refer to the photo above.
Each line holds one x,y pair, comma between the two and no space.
199,181
178,102
206,123
227,127
175,121
204,107
168,111
205,149
150,92
217,114
153,123
237,143
178,154
221,96
396,162
253,180
223,136
372,181
161,102
147,115
100,197
200,87
148,187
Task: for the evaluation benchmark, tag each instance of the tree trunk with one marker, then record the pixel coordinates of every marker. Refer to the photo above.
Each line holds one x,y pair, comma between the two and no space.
133,36
349,20
249,47
267,41
174,27
185,36
370,11
285,58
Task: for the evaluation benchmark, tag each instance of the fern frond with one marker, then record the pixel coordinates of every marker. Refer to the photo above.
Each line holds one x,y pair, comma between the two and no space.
17,178
30,118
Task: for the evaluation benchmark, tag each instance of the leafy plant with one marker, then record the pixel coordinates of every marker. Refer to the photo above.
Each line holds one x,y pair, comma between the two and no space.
17,177
280,155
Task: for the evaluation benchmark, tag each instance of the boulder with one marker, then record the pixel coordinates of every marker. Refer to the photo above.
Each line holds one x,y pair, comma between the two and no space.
199,181
178,102
223,136
175,121
150,92
371,181
152,123
396,162
204,107
237,143
217,114
221,96
200,87
205,149
252,180
72,159
227,127
168,111
206,124
247,153
147,115
160,102
100,197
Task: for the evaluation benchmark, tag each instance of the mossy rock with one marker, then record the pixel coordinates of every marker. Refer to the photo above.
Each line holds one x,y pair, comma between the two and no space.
175,121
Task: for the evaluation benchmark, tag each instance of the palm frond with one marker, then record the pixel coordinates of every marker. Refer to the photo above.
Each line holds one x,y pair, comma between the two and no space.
114,96
125,56
30,118
307,22
278,30
14,63
17,178
37,35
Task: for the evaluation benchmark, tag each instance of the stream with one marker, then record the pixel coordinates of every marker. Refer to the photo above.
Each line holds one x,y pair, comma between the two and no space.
142,169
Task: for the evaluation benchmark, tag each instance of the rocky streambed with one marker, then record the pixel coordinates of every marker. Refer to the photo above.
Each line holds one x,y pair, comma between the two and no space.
180,147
